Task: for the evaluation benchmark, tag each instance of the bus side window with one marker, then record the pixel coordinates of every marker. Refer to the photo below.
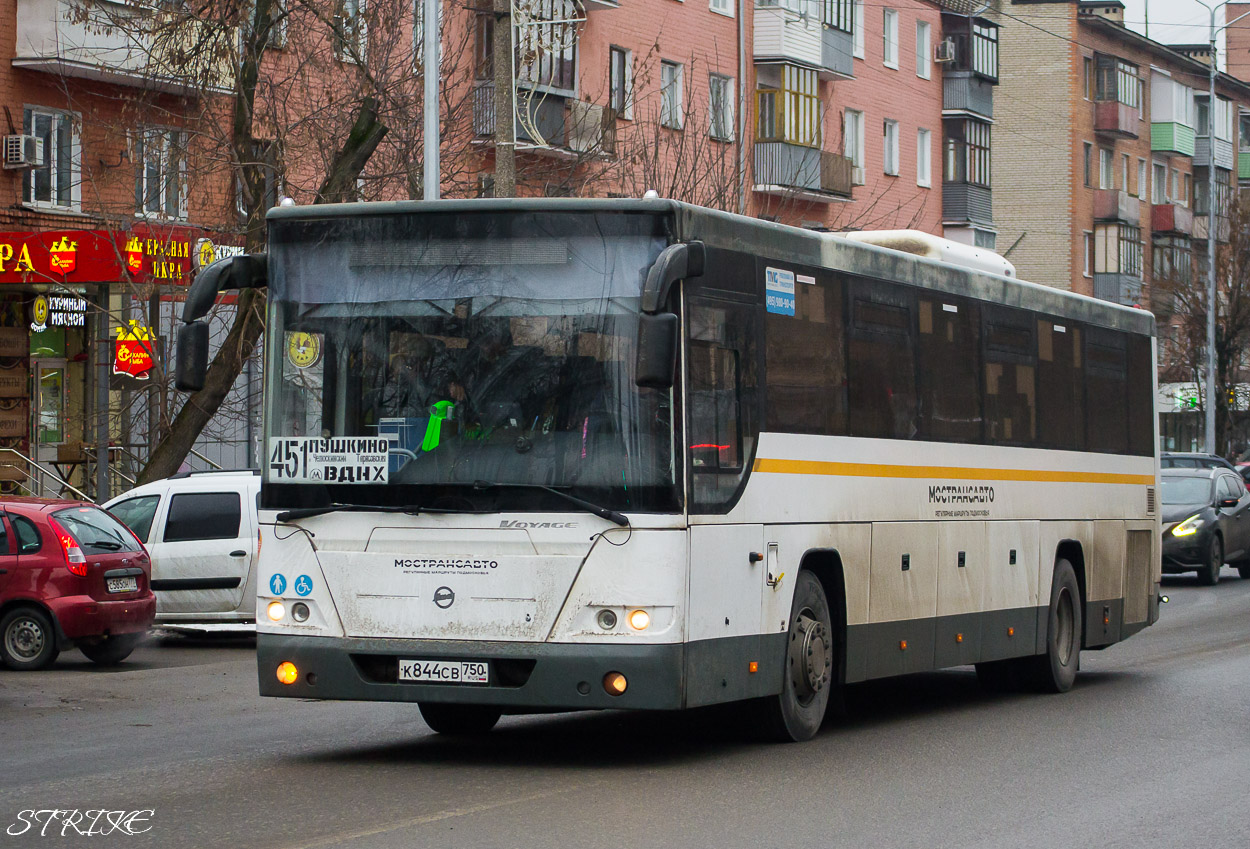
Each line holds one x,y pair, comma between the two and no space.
950,395
1060,385
881,369
1106,392
1010,377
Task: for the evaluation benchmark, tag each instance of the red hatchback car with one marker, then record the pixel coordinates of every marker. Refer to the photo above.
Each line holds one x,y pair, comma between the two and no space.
70,575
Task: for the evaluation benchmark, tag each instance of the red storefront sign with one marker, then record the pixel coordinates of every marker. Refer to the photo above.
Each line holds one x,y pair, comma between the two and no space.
144,254
133,352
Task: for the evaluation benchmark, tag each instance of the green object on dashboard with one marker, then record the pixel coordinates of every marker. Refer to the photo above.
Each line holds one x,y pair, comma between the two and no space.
434,430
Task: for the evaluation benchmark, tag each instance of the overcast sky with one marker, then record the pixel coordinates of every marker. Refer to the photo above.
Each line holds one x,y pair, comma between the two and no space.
1173,21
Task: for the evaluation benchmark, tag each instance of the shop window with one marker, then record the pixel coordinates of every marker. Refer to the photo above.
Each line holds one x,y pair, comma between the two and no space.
161,173
56,183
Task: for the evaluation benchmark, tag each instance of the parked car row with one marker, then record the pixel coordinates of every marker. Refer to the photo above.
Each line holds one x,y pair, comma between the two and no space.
175,552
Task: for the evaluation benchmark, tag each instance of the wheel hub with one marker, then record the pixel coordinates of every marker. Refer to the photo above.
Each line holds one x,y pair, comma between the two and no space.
810,657
25,638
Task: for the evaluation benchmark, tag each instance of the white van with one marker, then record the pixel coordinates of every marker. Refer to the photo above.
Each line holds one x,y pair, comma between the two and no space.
200,529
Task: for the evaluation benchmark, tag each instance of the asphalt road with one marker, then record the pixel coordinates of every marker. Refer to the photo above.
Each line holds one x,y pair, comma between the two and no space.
1151,749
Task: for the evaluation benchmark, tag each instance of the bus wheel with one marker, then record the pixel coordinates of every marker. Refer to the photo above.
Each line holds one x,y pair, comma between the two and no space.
459,720
1055,671
795,715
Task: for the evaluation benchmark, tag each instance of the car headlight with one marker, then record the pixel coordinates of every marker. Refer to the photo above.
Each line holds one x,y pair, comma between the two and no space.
1188,527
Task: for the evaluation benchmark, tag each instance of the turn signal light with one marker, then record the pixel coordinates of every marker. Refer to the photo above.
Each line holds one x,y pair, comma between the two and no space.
614,683
287,673
639,620
275,611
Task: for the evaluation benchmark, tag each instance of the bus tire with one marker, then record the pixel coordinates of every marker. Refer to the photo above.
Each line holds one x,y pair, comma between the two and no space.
796,713
1209,573
1055,671
459,720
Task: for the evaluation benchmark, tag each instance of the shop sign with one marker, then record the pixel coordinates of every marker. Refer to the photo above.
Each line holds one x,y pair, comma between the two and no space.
95,256
57,311
132,354
206,253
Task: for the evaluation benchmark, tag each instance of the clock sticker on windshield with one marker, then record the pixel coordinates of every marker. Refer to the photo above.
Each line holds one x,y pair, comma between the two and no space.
303,349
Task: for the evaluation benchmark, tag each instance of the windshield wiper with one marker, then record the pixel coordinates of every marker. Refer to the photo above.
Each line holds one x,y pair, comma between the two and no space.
306,512
589,507
106,544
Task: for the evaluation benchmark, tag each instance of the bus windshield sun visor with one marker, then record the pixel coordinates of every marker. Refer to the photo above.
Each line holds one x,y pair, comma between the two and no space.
674,263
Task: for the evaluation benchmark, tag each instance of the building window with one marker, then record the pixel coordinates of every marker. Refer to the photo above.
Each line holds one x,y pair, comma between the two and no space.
160,173
670,95
1106,173
621,82
1171,260
853,137
1088,238
790,113
547,54
1089,166
1117,249
483,44
351,31
1243,138
277,24
924,50
56,182
1141,179
721,107
967,152
1159,193
838,14
1089,78
1187,189
890,38
722,7
1176,186
1116,80
890,130
1223,117
976,45
1125,159
923,145
858,50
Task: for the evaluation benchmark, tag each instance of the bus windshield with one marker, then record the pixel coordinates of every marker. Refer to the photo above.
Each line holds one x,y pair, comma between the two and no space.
416,357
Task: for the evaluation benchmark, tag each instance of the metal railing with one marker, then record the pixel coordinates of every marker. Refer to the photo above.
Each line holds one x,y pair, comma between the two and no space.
29,465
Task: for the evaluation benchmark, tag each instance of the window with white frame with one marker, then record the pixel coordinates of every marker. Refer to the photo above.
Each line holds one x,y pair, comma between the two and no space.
351,31
1117,249
1125,159
722,7
277,10
924,50
889,37
621,82
721,107
1142,180
858,49
670,95
923,158
1159,192
56,182
484,35
853,136
838,14
1106,169
1088,239
160,172
890,146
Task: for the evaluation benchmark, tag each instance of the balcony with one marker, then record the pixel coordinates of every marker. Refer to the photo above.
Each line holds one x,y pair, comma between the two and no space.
1201,227
966,91
1172,138
790,31
1223,152
1115,205
966,202
1113,118
546,127
786,169
123,44
1243,164
1171,218
1123,289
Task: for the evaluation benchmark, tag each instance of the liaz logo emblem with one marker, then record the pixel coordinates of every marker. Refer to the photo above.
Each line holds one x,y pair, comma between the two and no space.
444,597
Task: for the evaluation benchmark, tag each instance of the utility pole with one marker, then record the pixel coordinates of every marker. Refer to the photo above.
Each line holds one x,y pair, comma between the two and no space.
505,96
431,44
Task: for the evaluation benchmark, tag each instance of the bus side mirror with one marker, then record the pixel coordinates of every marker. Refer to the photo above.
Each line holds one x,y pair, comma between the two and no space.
657,350
192,357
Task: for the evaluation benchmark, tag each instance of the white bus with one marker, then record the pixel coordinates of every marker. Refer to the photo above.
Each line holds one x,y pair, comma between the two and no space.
534,455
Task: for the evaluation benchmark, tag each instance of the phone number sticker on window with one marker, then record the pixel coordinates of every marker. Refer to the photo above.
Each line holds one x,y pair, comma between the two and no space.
779,291
309,459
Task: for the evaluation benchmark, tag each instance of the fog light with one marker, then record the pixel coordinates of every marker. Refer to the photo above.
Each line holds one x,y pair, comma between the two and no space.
606,619
614,683
299,612
276,610
287,673
639,620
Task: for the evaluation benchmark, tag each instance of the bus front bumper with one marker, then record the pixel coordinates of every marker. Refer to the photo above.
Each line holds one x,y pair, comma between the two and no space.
523,676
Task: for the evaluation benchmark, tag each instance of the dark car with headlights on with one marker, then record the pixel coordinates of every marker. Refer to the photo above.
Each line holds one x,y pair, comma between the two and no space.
1206,522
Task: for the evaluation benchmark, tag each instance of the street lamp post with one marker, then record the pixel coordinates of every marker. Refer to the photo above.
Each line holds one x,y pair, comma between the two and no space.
1212,221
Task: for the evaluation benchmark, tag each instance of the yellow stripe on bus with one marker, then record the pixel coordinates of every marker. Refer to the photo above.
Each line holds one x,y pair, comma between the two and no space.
880,470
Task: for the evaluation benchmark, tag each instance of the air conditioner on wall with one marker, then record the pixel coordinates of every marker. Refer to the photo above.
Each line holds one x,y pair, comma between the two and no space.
23,152
944,51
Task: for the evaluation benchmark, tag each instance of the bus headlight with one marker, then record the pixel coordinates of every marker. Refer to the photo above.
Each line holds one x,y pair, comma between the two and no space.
1188,527
275,611
639,620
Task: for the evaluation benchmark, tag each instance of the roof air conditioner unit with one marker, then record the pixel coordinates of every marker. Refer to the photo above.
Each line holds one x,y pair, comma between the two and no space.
944,51
23,152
